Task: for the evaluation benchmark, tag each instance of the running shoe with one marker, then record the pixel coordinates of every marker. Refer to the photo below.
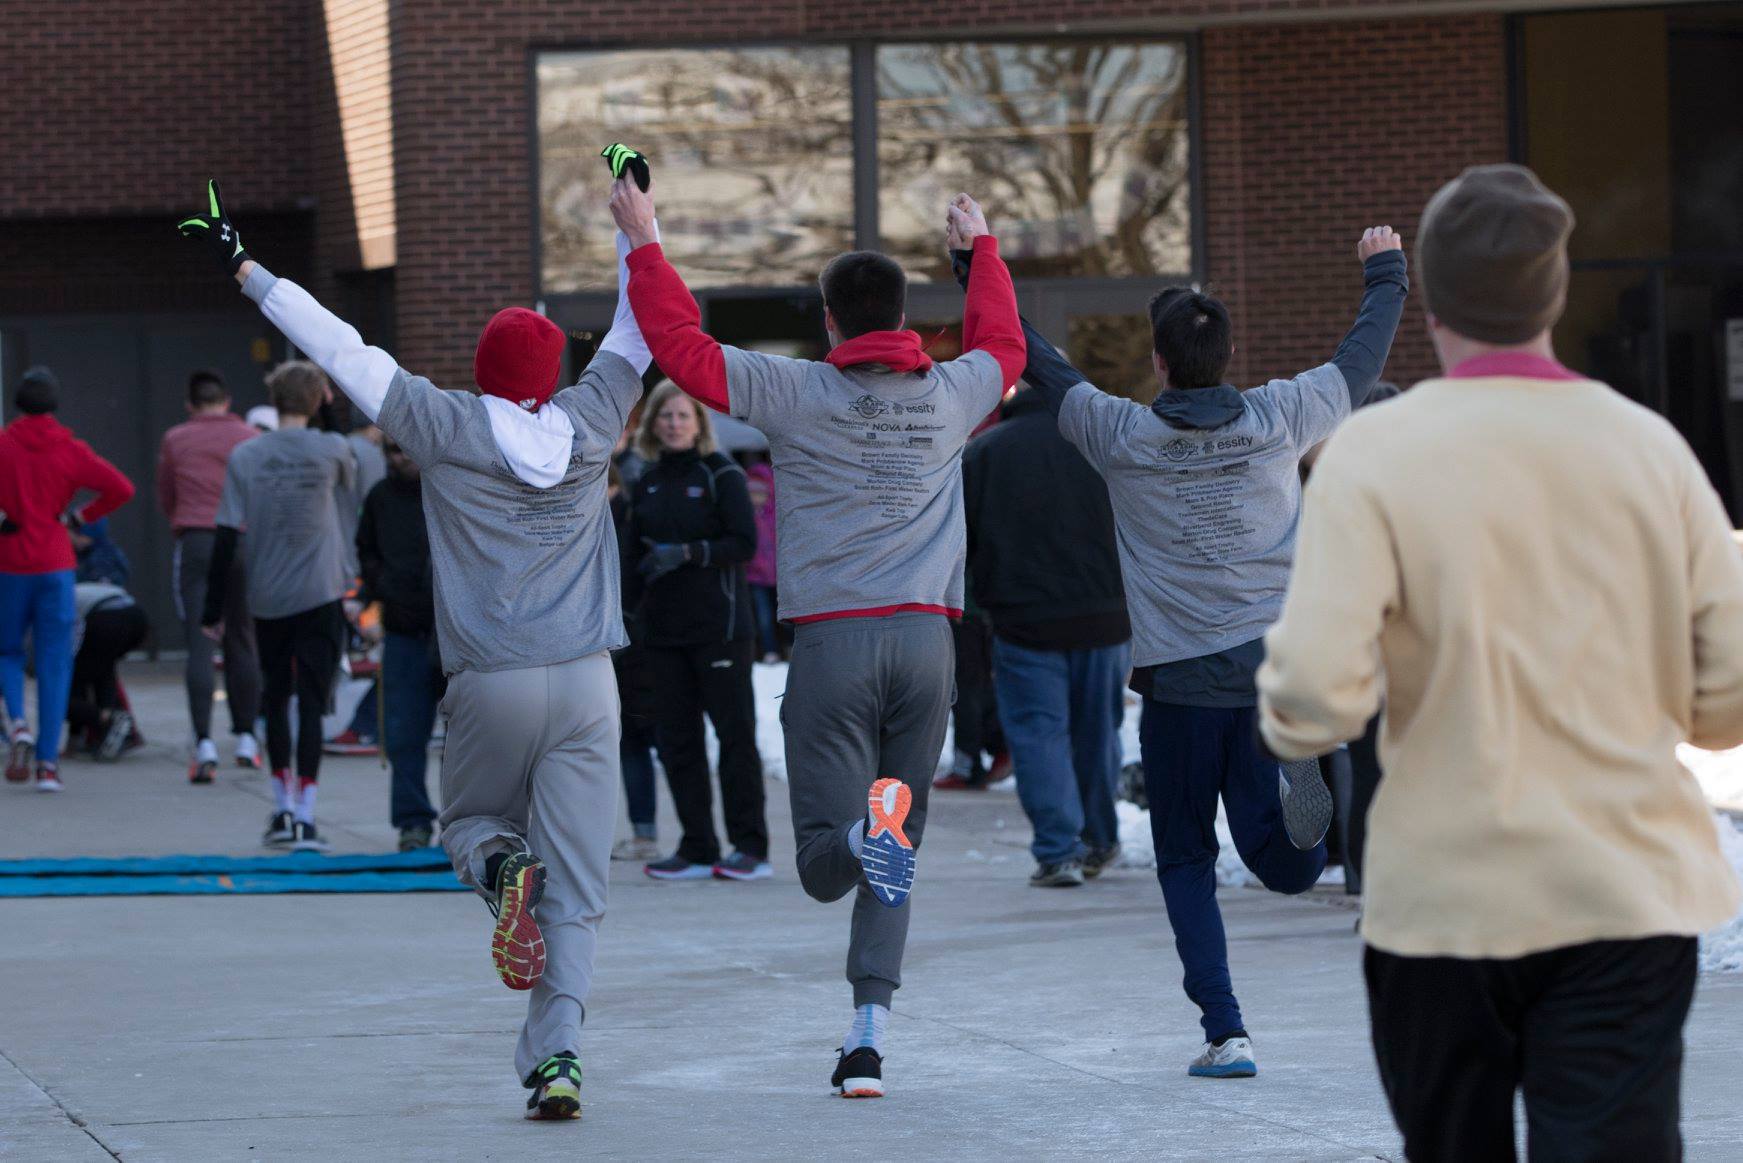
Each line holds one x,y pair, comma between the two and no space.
677,868
859,1074
517,947
1098,859
304,837
1057,874
414,839
1306,802
1001,768
739,866
1232,1059
955,782
247,751
349,742
48,777
278,829
20,755
115,737
639,849
203,767
556,1087
886,854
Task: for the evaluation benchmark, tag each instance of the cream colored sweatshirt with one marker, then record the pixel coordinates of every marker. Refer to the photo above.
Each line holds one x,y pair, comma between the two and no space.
1539,578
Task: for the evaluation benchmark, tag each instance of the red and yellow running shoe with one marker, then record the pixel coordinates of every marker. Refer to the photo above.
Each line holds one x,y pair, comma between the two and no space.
517,947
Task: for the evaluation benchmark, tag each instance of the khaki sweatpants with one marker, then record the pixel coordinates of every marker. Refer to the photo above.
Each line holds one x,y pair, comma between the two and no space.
531,761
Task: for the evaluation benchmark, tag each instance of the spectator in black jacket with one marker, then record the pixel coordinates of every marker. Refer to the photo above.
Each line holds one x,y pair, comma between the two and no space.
393,551
1042,564
690,532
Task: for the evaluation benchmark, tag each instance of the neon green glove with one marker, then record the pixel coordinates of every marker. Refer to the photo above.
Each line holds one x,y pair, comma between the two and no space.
215,231
621,158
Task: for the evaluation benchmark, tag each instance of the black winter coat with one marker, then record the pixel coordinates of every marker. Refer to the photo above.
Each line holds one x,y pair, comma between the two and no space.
1041,557
393,551
701,502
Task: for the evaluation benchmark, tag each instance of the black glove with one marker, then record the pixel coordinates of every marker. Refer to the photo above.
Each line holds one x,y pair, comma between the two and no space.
215,230
621,158
959,265
661,559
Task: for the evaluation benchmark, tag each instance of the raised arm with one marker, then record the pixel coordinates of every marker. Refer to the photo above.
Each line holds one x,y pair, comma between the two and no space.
1048,372
662,306
990,322
1362,354
363,373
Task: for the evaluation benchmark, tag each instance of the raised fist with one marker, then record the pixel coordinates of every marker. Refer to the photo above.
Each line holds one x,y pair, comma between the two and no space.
1376,239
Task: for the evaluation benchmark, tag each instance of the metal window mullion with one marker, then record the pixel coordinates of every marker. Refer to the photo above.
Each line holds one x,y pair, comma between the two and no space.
864,80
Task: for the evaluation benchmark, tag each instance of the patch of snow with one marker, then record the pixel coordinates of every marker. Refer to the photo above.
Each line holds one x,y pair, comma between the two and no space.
1138,849
1722,949
1720,773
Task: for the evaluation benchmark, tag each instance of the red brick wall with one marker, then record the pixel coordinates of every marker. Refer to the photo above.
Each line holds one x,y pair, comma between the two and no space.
1313,132
126,108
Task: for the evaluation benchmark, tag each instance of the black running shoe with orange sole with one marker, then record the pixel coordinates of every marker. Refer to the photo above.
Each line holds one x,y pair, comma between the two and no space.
517,947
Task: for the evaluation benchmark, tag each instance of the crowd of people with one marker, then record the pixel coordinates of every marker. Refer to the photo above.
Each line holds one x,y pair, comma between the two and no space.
580,580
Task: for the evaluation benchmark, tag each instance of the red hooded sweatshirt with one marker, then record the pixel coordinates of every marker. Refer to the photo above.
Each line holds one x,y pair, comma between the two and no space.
42,467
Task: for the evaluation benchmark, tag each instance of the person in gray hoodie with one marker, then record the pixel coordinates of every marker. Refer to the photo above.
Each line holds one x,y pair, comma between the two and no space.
525,567
1206,496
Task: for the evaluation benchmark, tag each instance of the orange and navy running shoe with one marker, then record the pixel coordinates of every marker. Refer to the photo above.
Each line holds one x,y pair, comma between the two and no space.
517,947
886,855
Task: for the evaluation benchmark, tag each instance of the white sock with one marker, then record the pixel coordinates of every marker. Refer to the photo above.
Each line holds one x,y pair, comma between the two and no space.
856,836
305,808
870,1022
281,790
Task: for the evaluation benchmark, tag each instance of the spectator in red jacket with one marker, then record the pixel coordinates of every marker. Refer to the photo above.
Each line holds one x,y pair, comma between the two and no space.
42,468
190,479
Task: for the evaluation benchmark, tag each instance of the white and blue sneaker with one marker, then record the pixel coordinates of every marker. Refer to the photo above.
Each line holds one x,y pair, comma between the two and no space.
1232,1059
886,855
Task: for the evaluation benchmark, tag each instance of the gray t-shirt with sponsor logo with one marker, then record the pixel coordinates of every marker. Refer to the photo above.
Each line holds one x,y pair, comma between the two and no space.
284,491
1205,518
523,576
868,475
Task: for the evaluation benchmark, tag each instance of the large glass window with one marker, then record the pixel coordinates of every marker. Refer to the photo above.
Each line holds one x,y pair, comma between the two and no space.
752,151
1080,150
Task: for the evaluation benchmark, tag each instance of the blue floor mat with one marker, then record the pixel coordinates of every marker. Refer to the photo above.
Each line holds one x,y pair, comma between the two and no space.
426,870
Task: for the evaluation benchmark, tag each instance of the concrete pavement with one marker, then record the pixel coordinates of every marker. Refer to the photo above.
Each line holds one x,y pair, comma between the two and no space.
1032,1023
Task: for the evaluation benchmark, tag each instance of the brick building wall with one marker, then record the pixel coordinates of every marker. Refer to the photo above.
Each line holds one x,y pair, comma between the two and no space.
1311,130
352,127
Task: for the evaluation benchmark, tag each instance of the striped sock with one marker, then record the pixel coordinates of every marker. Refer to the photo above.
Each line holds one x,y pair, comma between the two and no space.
869,1023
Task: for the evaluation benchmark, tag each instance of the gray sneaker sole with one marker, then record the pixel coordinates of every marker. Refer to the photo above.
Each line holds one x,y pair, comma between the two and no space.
1306,803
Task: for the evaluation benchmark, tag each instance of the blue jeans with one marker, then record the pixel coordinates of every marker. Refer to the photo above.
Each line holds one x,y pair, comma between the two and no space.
1061,712
635,753
1191,754
762,599
43,604
411,688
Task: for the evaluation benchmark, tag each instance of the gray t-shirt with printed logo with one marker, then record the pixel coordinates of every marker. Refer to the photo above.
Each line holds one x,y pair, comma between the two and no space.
523,576
1205,518
868,475
284,490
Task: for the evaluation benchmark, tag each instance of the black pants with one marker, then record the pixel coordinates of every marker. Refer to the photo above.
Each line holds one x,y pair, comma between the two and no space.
1592,1034
299,655
975,715
109,634
715,679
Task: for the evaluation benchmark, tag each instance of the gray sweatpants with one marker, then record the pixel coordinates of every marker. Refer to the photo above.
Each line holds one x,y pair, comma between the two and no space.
531,761
866,698
192,561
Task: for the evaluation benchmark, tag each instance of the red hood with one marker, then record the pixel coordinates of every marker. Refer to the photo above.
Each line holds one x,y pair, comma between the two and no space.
38,433
900,351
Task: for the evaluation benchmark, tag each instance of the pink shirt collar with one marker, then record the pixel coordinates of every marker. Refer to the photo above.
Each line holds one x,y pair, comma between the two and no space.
1511,363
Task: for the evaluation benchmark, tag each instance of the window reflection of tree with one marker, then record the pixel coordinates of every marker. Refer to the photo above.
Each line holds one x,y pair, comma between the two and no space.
1080,150
752,151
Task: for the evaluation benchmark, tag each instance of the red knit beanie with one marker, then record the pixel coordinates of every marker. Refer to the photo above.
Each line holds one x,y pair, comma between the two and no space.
519,357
